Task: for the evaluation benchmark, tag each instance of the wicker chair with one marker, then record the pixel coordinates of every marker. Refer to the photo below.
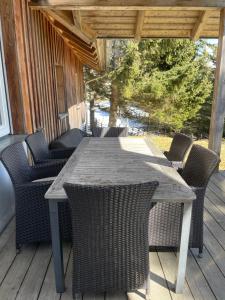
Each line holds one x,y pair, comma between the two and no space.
110,236
165,218
32,212
70,139
109,131
39,149
179,147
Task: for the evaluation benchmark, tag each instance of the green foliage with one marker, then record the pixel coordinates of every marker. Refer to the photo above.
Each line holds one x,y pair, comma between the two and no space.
171,79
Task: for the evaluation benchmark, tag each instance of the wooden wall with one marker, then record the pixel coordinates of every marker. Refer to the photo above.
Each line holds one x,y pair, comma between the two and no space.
39,48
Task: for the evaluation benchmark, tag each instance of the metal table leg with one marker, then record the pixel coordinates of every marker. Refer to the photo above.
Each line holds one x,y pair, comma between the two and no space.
56,246
183,252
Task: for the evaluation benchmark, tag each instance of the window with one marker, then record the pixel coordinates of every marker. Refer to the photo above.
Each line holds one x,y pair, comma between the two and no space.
4,116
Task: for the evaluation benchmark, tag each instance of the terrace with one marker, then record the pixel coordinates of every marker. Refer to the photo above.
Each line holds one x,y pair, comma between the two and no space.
44,46
30,275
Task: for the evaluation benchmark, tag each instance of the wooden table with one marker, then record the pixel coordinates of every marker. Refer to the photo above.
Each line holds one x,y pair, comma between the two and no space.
102,161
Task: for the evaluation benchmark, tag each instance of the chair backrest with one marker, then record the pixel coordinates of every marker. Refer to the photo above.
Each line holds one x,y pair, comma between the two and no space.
38,146
179,147
15,160
200,165
110,235
69,139
110,131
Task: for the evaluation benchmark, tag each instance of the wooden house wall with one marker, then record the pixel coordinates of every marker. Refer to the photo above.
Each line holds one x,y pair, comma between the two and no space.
38,49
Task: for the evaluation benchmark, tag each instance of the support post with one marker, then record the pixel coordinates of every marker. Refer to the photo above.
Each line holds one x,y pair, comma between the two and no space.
218,107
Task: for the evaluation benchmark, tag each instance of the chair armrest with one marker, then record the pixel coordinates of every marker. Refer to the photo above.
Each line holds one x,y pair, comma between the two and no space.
32,191
61,153
47,169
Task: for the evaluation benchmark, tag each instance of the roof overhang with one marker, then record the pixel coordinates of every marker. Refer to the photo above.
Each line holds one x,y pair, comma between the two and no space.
91,20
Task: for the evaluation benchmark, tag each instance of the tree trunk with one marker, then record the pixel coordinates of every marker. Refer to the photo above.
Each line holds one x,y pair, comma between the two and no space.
113,105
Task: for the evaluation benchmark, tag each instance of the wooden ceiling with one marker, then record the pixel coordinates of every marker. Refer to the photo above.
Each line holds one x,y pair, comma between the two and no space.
91,20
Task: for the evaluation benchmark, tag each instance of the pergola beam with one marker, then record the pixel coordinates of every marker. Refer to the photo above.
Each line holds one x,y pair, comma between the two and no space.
62,18
126,4
196,32
218,107
139,24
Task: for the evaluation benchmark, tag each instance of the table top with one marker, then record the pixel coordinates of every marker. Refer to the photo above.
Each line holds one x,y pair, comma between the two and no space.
117,161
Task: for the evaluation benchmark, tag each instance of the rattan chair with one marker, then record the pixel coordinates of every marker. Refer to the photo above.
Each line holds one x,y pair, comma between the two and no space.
70,139
109,131
110,236
32,211
179,147
165,218
39,149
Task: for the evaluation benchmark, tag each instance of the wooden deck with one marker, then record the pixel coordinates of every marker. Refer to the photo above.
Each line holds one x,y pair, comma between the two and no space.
29,275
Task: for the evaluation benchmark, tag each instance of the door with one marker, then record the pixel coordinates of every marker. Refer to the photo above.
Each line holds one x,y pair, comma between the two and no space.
4,114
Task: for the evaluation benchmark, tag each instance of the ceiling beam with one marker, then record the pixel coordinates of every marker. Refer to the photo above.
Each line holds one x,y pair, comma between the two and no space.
77,19
139,24
126,4
196,32
63,18
86,54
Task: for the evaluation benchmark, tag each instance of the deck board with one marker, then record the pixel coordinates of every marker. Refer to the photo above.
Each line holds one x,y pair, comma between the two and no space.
29,275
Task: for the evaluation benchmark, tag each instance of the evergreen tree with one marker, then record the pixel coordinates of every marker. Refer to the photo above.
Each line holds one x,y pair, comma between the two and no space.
171,79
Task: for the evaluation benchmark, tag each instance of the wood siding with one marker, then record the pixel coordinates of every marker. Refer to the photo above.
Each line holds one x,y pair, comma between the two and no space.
38,49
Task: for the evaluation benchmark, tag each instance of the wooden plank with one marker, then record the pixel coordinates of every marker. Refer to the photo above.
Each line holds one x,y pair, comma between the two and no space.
130,161
215,228
197,30
34,278
48,290
212,273
215,212
7,256
197,282
127,4
77,19
169,263
218,106
158,284
215,249
15,276
7,234
65,21
139,24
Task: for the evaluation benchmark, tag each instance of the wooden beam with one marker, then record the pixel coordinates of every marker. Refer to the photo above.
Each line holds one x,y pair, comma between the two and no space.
77,19
124,5
196,32
218,107
101,52
62,18
86,54
139,24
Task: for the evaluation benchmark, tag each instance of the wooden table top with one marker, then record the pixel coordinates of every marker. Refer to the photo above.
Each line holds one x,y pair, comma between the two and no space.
112,161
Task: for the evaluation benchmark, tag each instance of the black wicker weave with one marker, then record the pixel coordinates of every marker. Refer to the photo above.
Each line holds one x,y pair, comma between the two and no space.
39,149
110,131
70,139
110,236
165,218
32,211
179,147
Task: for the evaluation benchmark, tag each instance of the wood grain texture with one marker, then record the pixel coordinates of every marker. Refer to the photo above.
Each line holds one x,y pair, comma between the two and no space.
12,71
218,106
111,161
39,50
